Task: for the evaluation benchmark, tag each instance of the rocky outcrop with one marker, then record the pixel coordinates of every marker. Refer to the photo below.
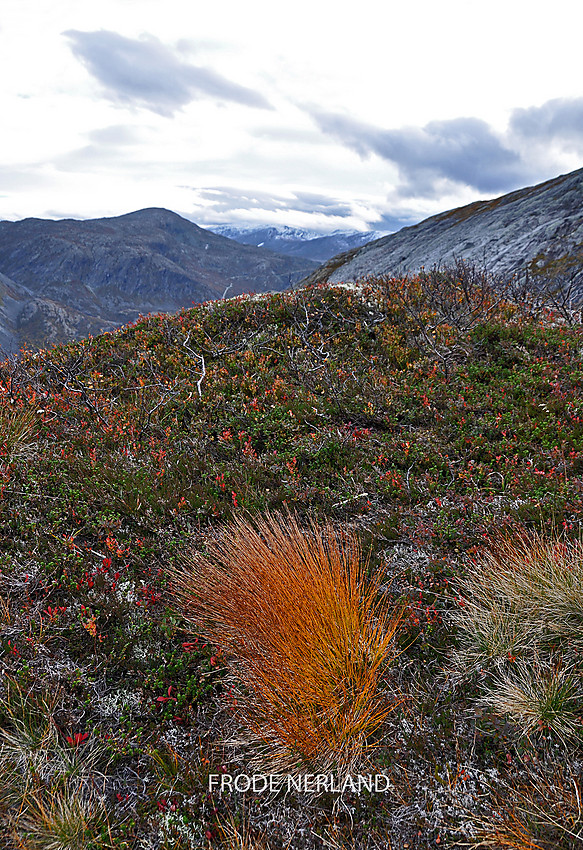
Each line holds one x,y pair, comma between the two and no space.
537,229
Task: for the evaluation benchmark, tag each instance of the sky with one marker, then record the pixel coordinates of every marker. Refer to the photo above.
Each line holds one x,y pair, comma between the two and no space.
312,114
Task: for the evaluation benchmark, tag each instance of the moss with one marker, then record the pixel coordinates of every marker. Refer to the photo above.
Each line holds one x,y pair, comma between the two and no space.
544,266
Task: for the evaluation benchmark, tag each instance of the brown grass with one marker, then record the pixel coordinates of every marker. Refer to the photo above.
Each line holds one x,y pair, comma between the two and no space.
302,628
17,433
535,809
522,623
524,595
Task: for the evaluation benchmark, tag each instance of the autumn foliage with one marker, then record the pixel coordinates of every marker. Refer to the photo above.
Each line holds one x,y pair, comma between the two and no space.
435,413
303,629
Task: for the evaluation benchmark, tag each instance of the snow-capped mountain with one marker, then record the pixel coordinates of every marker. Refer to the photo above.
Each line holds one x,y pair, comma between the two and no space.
297,242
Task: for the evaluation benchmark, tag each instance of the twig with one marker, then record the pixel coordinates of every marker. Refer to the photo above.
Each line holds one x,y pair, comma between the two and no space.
202,363
351,499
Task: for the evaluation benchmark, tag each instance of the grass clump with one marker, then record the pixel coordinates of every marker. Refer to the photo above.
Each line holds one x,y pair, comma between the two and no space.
17,432
538,698
521,620
523,596
301,626
61,820
49,792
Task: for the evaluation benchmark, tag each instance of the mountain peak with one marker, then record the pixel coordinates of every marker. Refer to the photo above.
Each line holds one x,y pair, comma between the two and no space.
105,272
153,217
295,241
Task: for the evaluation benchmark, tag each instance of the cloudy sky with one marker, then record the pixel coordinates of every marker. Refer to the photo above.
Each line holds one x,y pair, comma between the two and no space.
312,113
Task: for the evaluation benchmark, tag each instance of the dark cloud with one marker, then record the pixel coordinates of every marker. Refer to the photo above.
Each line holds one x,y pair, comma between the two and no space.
462,150
391,223
145,72
559,120
230,204
312,201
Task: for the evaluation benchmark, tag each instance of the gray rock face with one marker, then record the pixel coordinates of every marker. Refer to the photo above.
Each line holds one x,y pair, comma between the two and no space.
13,298
539,229
66,279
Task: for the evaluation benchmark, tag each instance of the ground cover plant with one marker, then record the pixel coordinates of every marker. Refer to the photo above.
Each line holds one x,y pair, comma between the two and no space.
439,420
522,619
300,625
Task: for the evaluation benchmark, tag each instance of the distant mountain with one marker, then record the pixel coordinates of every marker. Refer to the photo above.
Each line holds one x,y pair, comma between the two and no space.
538,229
62,280
296,242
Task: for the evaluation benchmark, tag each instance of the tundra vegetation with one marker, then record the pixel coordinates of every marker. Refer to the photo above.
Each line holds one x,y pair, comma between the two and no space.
333,529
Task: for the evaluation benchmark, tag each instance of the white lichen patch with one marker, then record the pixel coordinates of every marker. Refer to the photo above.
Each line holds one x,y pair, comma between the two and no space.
172,824
126,591
119,702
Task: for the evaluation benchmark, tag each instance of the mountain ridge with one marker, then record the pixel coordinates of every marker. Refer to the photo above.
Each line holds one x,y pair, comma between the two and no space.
70,278
298,242
537,229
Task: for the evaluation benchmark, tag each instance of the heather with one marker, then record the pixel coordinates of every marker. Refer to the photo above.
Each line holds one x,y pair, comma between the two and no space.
433,420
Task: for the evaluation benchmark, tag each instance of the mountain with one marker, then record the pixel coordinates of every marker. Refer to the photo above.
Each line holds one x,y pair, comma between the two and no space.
62,280
296,242
538,229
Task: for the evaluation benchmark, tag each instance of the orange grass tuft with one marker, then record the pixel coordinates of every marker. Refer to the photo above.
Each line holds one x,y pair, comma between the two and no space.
302,628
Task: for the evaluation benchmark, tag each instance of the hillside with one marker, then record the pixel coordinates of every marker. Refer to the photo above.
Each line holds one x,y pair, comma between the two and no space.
74,278
427,417
295,242
538,229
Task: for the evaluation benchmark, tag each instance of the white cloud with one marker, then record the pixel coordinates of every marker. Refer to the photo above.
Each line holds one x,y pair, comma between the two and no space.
419,107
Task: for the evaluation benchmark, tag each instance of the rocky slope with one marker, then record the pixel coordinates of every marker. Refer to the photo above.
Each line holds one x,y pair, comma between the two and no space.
296,242
62,280
539,229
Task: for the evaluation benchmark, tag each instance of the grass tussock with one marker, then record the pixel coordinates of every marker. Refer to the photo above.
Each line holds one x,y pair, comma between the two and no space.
523,596
538,698
61,820
522,622
49,797
17,433
300,623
